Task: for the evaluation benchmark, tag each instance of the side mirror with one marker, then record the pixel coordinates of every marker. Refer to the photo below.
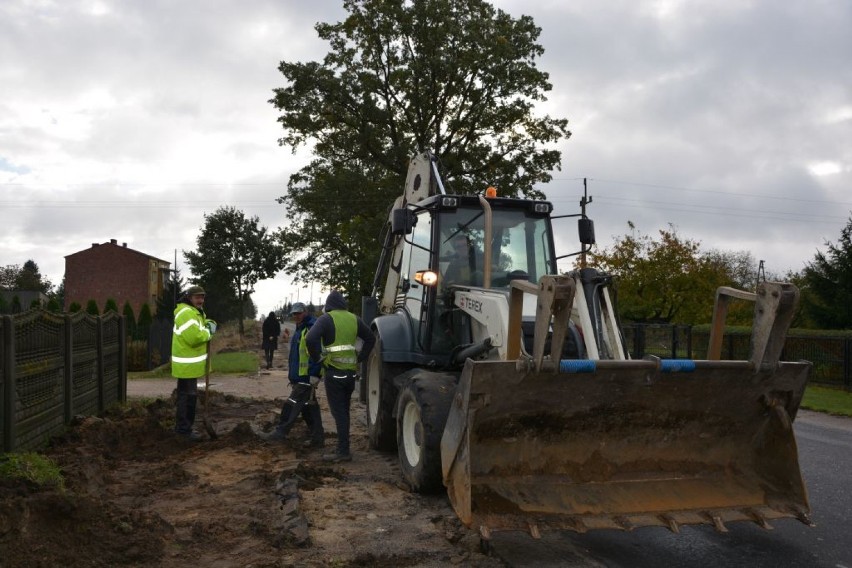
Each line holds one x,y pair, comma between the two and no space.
587,231
369,308
402,221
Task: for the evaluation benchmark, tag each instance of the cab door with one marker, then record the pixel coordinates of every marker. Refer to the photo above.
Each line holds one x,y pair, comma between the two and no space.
417,257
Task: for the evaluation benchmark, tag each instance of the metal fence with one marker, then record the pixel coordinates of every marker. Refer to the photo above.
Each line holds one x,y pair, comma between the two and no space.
54,367
663,340
830,355
160,342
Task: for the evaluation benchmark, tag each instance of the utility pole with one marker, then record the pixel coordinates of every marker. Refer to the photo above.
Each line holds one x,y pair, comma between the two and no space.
174,280
583,202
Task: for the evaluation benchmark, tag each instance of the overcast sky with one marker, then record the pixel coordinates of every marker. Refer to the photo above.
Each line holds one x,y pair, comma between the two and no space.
731,120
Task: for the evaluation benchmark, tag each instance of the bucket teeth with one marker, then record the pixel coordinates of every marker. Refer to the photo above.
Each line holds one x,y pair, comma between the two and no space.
671,523
624,523
717,523
534,532
805,518
577,524
758,518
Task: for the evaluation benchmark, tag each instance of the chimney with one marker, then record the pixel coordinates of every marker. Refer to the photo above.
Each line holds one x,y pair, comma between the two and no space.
113,241
124,245
95,244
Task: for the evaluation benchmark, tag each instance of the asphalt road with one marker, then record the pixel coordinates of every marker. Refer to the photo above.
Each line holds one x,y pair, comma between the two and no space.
825,457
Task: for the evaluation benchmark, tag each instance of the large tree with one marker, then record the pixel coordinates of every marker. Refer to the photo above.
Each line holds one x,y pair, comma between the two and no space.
171,293
670,279
26,278
828,282
31,279
9,276
234,251
456,77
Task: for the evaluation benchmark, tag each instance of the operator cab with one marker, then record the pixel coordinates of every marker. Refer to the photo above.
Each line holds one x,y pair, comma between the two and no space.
448,249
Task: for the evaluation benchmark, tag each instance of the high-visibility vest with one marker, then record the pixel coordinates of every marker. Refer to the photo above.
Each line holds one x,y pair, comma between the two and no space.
189,343
304,357
342,354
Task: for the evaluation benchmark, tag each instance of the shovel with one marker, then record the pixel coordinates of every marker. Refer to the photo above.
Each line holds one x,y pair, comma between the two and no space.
208,427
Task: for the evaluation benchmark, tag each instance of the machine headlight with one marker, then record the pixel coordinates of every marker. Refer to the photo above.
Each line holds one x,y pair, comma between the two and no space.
426,277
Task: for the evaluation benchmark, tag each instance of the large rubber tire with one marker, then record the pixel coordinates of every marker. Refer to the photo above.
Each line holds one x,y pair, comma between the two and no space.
381,398
422,410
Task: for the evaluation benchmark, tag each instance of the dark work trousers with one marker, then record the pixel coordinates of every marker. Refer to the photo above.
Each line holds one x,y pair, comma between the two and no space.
301,402
269,352
339,386
187,395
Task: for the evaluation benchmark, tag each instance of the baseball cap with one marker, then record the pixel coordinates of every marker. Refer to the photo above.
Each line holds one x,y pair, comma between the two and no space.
195,290
298,308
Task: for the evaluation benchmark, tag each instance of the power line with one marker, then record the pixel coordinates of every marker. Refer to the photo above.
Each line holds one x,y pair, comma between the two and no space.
140,184
712,191
125,204
728,212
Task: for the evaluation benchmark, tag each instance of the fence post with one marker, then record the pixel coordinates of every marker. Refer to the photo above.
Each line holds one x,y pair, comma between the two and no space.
99,341
674,342
122,360
689,342
639,340
68,338
847,363
9,425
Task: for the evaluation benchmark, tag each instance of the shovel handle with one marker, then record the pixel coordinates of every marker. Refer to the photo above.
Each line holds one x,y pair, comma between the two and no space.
207,379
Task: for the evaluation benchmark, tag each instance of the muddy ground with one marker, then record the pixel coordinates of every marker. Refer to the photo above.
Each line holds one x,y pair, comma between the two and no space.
138,496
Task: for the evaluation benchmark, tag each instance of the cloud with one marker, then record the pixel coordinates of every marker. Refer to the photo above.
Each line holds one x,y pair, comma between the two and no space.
132,120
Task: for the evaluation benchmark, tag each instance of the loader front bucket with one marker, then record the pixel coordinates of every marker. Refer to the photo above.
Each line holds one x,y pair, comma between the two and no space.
623,444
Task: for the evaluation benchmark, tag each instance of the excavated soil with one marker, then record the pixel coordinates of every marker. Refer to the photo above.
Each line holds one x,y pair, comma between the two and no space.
138,496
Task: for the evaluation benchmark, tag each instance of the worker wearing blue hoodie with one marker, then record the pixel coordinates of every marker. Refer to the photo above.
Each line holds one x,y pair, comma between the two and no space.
304,377
332,341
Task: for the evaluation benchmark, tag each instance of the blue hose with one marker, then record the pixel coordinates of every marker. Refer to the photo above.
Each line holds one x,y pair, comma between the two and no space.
577,366
677,365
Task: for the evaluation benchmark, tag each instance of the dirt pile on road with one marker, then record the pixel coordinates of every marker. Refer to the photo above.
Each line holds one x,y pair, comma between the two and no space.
138,496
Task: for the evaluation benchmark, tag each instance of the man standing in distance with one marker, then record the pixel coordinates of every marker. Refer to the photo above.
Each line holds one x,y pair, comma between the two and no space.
332,340
190,336
271,330
304,376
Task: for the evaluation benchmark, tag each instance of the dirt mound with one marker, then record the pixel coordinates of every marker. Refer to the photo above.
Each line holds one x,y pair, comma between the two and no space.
139,496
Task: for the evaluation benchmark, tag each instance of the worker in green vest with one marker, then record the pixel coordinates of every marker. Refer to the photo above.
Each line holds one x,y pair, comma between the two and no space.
332,340
191,333
304,376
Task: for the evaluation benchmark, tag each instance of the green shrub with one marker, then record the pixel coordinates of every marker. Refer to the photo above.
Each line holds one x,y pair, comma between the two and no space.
143,324
110,306
129,320
92,308
137,355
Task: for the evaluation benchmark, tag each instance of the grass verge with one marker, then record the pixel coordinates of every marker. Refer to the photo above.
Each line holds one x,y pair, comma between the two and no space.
231,363
32,467
829,400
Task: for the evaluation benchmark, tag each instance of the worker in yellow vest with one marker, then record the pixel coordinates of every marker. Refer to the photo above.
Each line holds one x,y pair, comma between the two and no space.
332,341
191,333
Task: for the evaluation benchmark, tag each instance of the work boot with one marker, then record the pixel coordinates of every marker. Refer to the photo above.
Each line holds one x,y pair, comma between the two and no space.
337,458
191,436
310,443
274,436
